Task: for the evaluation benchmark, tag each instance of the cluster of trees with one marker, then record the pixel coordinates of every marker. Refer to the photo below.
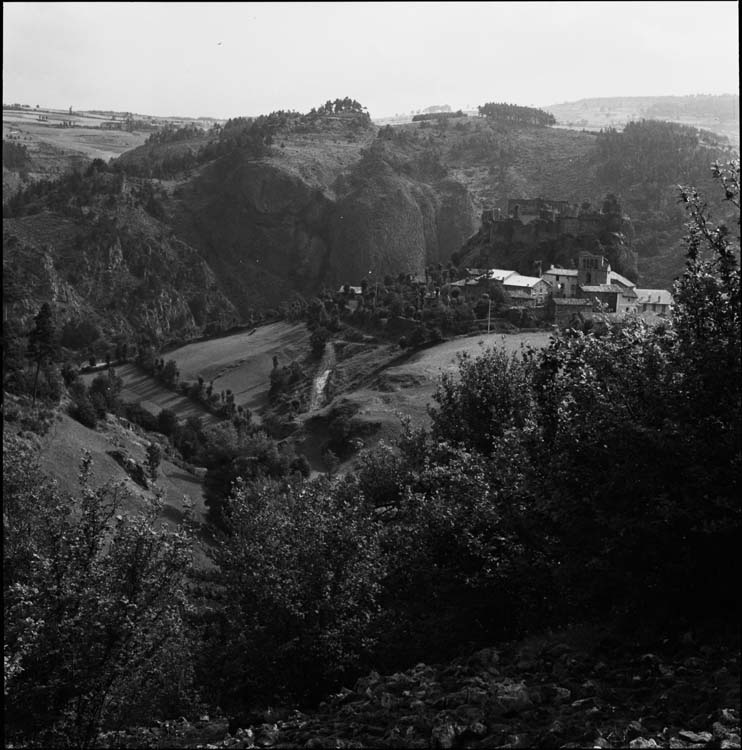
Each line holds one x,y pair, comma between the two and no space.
15,155
514,114
654,154
96,185
438,116
346,104
173,134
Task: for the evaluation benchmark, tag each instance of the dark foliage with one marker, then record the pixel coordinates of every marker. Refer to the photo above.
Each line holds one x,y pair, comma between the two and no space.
94,611
595,479
514,114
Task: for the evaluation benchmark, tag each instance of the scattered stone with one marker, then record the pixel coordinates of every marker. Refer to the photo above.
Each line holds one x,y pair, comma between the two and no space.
443,736
634,729
640,742
700,737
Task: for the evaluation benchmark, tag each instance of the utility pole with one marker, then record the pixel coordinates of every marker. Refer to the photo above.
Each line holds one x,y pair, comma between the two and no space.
489,314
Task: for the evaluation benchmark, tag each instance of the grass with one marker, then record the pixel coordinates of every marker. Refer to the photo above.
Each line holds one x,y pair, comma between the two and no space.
243,362
153,396
62,449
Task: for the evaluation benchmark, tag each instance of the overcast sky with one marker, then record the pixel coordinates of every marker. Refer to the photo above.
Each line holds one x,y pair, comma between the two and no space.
230,59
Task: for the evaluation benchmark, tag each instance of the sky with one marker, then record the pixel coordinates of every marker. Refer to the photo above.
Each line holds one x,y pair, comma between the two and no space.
230,59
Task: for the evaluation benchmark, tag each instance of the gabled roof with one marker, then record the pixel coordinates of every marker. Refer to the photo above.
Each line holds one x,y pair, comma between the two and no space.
601,289
653,297
498,274
524,282
621,280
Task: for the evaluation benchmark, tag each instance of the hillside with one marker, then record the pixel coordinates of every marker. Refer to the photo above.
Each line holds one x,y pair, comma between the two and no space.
259,210
719,114
55,148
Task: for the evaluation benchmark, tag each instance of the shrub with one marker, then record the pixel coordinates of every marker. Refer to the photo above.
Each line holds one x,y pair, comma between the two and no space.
318,340
167,422
94,608
302,571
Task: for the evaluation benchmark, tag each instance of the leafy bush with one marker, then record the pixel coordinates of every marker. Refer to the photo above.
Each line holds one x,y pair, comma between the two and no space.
302,571
82,408
318,340
94,608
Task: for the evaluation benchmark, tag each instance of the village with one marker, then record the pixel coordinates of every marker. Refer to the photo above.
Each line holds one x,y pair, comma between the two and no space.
566,297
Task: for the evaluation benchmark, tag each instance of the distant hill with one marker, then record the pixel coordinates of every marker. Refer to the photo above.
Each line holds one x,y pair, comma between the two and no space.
717,113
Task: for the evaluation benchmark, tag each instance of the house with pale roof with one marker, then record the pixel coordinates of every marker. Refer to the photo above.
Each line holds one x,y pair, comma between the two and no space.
499,274
657,301
609,298
563,281
522,287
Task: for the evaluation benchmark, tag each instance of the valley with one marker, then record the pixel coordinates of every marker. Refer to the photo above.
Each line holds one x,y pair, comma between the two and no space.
309,468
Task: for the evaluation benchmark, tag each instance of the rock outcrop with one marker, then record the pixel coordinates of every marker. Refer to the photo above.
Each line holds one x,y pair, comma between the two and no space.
509,243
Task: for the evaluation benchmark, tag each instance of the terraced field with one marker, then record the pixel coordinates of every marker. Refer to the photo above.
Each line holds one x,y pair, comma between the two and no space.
243,362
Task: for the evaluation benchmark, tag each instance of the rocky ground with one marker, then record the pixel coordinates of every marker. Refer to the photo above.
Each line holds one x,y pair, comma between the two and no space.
556,691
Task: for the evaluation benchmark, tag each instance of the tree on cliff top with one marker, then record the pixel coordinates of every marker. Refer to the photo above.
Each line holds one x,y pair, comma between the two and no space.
515,114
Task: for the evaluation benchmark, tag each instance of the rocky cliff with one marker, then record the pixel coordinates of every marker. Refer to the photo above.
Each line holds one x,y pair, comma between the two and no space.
297,221
119,272
511,244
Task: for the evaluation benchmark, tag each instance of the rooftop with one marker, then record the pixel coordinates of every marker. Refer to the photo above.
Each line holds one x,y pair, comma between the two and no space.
515,279
562,271
653,296
622,280
602,289
499,274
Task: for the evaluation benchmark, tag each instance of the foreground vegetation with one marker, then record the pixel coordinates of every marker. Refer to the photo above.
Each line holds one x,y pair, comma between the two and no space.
596,479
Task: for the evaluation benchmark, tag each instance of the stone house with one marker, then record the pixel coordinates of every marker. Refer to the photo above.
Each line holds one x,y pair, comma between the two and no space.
610,298
563,281
608,290
569,311
532,286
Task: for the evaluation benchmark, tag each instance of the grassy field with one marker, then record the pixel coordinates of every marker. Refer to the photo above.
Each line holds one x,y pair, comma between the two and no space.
408,388
61,451
243,362
45,140
154,397
405,389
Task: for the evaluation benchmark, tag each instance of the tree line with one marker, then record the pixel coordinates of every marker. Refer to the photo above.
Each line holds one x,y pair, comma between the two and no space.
515,114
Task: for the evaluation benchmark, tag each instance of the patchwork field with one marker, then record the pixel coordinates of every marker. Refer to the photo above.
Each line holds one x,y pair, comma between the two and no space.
243,362
154,397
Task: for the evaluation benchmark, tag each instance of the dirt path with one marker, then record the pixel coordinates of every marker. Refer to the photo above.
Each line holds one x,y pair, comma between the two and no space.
319,385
